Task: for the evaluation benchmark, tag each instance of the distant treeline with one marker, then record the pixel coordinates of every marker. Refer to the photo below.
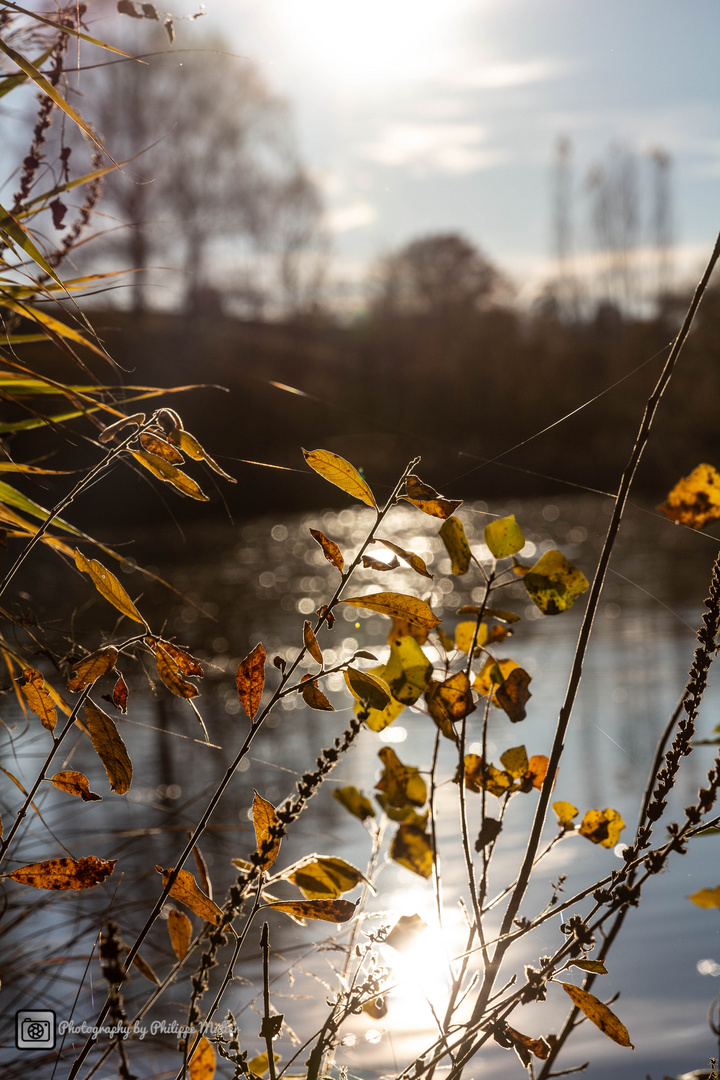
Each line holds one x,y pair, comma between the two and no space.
498,402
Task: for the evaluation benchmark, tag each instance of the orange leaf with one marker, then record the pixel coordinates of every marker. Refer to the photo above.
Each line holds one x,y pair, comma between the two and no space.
88,670
62,874
264,818
250,680
329,910
695,500
330,549
425,498
397,606
202,1066
109,747
120,695
38,698
180,931
311,644
184,660
171,675
155,445
187,891
599,1013
75,783
314,697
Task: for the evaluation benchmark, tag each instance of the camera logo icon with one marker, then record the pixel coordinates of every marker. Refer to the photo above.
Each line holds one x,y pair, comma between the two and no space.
35,1029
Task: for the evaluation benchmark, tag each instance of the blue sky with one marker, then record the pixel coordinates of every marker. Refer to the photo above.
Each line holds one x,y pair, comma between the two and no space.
418,116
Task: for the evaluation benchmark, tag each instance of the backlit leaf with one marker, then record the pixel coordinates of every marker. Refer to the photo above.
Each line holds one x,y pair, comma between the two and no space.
465,632
335,911
706,898
109,747
451,700
260,1065
425,498
180,931
202,869
554,584
413,560
170,475
406,932
504,537
479,775
695,500
537,768
183,659
75,783
38,699
602,827
189,444
512,695
340,472
186,890
202,1066
376,1009
411,847
171,675
313,696
407,671
401,784
492,675
379,719
369,563
330,549
62,874
599,1013
595,966
456,544
501,615
145,970
160,448
311,644
367,688
265,818
325,877
354,801
120,695
565,813
108,586
397,606
89,670
515,761
526,1045
250,680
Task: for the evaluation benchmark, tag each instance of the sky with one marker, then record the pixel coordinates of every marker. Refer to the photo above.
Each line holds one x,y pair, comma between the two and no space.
425,116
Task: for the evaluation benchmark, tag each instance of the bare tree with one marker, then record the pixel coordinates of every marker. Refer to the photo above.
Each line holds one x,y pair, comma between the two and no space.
215,180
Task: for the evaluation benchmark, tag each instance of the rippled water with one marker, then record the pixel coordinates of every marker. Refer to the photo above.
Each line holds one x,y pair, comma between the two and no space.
260,582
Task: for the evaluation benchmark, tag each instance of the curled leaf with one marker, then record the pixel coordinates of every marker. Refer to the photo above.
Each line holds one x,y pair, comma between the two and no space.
145,970
314,697
171,675
425,498
186,890
75,783
63,874
170,474
341,473
413,560
330,549
120,695
310,642
512,694
368,688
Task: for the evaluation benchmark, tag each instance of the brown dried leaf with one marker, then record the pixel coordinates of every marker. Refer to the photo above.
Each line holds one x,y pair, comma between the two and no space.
89,670
340,472
413,560
264,818
145,969
425,498
526,1045
250,680
311,644
336,911
202,869
187,891
369,563
109,747
108,586
599,1013
62,874
512,695
171,675
451,700
330,549
180,931
75,783
38,699
160,448
183,659
120,695
314,697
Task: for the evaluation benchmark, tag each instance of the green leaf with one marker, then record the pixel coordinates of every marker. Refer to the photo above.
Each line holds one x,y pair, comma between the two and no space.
504,537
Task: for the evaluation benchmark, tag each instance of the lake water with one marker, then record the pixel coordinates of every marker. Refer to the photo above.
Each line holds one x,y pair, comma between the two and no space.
259,582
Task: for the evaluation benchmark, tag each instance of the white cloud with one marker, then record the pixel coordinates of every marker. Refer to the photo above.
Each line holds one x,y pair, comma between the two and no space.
440,147
354,216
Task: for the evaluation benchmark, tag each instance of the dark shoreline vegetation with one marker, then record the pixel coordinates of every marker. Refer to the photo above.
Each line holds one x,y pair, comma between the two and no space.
113,914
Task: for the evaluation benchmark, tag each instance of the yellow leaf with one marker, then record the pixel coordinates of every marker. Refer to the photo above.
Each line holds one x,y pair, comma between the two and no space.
565,813
108,586
504,537
425,498
594,966
187,891
554,584
62,874
515,761
492,675
314,697
335,911
537,769
401,784
74,783
310,642
193,449
250,680
411,847
330,549
264,818
407,671
695,500
599,1013
354,801
465,632
340,472
376,1009
202,1066
456,544
479,775
397,606
170,475
89,670
413,560
706,898
38,699
325,877
109,747
180,931
451,700
260,1065
602,827
379,719
367,688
